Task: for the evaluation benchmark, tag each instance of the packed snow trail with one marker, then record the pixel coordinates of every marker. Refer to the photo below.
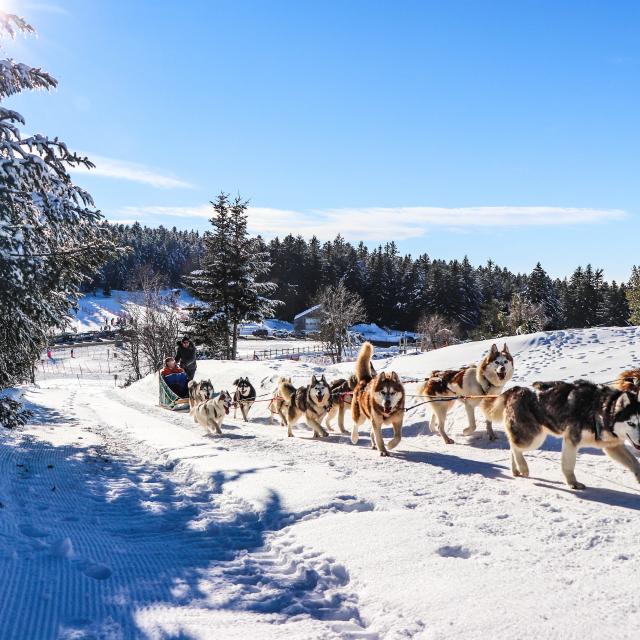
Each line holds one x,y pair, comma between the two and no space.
102,540
233,536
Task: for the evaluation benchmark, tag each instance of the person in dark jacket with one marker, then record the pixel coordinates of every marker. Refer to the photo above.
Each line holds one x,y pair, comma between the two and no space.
186,356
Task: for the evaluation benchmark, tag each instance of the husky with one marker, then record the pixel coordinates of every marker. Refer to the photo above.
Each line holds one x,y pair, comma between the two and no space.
244,397
211,413
277,405
628,380
199,392
582,413
379,399
341,393
488,378
313,402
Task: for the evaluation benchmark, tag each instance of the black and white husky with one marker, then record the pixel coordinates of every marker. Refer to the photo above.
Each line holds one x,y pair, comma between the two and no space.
582,413
244,397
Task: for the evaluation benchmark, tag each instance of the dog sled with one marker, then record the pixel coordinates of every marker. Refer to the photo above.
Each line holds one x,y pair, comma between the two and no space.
169,400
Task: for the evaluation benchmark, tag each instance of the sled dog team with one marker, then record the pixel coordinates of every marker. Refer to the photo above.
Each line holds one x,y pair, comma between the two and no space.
582,413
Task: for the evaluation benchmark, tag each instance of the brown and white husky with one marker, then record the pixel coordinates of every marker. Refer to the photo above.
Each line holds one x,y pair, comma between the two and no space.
487,378
379,399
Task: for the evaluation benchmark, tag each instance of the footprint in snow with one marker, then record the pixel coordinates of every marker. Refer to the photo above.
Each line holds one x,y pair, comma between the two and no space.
95,570
33,532
454,551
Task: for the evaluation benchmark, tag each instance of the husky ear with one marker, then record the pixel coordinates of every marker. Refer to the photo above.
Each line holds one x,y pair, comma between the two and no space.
505,349
314,380
623,401
236,382
394,376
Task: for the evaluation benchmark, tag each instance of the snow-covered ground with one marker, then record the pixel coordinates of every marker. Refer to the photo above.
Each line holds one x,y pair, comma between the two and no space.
121,519
94,311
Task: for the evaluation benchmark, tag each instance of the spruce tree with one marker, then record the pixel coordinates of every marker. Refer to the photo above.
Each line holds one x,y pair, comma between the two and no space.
540,290
232,281
633,296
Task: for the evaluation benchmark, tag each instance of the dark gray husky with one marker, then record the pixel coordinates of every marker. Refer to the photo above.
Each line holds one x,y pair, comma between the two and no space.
582,413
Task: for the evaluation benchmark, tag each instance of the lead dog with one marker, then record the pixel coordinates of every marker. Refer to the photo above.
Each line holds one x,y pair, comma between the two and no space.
379,399
582,413
485,379
313,402
211,413
628,380
244,397
199,392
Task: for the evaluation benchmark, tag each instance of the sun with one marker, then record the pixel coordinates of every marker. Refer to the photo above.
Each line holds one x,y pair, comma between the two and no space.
8,6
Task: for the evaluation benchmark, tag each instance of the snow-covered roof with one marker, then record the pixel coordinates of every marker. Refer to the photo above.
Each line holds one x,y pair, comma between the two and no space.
307,311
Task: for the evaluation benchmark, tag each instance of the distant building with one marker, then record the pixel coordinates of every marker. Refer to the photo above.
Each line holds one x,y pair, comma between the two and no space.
308,320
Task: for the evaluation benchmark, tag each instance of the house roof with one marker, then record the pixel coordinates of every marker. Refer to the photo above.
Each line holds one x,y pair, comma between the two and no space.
306,312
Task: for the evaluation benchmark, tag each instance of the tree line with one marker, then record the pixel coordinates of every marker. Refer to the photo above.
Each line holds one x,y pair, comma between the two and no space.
397,290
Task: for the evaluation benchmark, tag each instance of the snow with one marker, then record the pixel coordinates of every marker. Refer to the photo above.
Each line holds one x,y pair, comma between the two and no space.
373,332
306,312
94,311
122,519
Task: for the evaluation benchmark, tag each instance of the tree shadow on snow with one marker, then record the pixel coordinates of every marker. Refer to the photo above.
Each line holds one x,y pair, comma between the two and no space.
143,538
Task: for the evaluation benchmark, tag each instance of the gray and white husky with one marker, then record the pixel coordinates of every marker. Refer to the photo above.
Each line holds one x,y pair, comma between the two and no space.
199,392
582,413
313,402
211,413
487,378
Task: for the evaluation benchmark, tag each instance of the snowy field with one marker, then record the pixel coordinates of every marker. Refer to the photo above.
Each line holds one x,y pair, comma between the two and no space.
121,519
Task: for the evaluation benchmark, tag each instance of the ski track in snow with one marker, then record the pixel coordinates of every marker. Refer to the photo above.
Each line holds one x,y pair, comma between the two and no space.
123,520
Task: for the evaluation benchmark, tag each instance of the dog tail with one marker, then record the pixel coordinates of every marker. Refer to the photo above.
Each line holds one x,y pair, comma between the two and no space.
286,390
363,363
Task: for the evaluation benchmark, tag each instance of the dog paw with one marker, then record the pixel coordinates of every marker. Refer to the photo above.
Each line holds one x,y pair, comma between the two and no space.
577,485
384,453
449,440
492,436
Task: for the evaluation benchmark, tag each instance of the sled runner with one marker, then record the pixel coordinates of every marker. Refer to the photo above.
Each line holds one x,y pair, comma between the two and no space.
169,400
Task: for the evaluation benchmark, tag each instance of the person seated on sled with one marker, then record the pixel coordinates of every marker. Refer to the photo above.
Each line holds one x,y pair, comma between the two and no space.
175,377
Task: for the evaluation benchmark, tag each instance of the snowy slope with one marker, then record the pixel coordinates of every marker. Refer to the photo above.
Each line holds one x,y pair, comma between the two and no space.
95,310
155,530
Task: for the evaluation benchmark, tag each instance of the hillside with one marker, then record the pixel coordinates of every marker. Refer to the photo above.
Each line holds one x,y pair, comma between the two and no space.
178,534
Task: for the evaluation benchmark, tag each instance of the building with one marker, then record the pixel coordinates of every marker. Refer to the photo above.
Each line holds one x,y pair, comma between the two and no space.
308,320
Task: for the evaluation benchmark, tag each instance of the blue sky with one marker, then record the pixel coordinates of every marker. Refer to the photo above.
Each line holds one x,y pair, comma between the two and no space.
503,130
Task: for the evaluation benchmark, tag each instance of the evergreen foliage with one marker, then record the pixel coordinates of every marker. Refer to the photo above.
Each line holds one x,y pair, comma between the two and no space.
51,236
232,280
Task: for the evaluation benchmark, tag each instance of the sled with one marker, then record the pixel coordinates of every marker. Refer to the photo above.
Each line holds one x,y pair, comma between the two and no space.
169,400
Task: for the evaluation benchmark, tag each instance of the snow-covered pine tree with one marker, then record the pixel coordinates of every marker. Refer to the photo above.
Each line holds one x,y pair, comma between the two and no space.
231,282
633,296
540,290
51,236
